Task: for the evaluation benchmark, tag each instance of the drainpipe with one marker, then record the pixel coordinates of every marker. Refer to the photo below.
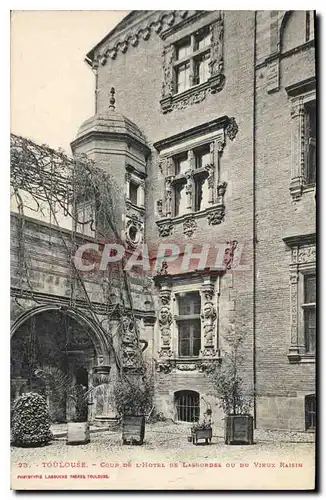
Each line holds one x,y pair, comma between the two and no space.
254,234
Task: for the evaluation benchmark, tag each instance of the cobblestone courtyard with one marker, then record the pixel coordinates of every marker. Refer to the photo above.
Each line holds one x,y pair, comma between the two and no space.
168,461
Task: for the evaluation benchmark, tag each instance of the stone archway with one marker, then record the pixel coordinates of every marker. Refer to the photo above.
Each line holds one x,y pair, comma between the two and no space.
53,350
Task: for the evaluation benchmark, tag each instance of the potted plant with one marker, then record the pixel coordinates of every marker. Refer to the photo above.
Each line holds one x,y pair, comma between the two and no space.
133,399
234,399
78,428
203,429
30,421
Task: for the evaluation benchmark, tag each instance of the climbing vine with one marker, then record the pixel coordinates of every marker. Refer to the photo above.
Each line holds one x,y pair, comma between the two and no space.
48,181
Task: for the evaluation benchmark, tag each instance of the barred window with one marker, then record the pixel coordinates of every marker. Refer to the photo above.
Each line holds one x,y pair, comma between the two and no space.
310,412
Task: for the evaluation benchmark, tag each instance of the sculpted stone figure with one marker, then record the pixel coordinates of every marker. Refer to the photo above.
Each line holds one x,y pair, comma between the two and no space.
208,316
164,321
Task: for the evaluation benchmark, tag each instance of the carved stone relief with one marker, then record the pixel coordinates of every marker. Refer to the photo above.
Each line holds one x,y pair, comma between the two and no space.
208,314
130,352
189,226
165,319
307,254
232,129
134,231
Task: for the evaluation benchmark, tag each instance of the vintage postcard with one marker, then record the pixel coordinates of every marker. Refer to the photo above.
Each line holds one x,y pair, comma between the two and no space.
163,250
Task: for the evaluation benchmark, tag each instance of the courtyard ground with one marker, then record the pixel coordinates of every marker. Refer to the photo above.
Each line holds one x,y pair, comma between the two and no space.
167,460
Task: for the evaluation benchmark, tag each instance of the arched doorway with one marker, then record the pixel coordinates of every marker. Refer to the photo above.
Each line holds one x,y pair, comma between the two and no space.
187,405
52,354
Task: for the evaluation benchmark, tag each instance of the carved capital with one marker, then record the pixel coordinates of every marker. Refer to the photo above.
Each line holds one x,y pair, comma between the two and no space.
215,214
189,226
164,227
163,367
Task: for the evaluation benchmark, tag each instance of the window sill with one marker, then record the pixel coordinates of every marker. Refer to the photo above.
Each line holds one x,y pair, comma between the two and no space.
214,214
296,358
129,203
186,364
193,95
298,187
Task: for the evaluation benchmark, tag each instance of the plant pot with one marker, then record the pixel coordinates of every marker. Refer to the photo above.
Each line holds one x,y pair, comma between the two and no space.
133,429
78,433
239,429
202,434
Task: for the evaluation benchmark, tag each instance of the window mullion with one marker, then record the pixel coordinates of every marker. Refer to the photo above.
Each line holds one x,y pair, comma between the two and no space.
191,337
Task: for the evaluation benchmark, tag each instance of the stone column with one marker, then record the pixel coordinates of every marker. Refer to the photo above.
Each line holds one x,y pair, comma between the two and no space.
168,196
127,185
208,319
189,191
297,148
141,194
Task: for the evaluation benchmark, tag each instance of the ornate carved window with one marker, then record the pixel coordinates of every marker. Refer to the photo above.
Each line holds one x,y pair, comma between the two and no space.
188,324
303,137
302,298
192,62
190,164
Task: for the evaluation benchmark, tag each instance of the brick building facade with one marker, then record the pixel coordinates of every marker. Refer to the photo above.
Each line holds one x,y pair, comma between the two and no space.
210,137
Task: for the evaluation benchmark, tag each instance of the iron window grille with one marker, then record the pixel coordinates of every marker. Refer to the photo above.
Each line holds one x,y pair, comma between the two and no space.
187,406
310,412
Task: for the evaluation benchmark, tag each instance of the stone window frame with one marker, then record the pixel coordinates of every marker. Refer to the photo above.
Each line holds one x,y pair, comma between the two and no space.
303,262
300,95
209,289
86,213
196,93
133,220
137,178
213,134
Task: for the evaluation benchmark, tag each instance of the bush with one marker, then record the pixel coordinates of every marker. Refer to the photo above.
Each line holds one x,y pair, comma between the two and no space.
134,394
30,424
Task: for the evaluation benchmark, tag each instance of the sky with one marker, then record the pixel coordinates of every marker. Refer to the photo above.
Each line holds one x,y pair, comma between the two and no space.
52,88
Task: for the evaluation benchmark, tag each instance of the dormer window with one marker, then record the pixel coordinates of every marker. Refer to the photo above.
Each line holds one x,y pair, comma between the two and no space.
191,66
193,62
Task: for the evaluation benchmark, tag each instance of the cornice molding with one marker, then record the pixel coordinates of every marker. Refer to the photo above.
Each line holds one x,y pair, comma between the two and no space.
204,128
162,26
301,239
